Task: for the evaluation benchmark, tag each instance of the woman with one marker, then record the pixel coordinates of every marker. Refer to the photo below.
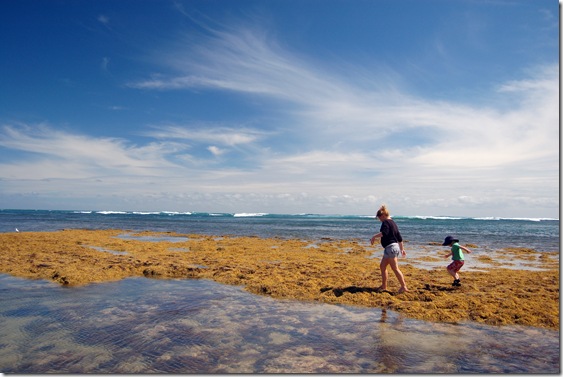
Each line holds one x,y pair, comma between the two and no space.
392,241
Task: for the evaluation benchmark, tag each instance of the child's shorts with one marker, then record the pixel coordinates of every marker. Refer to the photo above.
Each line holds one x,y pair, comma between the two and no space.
456,265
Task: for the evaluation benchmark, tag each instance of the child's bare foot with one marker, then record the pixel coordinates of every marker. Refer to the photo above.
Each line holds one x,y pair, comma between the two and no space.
403,290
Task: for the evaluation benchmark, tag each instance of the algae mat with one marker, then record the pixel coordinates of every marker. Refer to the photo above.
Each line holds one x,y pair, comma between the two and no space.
329,271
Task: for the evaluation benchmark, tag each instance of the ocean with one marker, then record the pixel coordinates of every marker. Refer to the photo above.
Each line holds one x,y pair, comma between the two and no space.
180,326
490,233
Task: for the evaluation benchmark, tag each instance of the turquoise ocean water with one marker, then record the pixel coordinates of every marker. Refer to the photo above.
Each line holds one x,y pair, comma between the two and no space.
487,233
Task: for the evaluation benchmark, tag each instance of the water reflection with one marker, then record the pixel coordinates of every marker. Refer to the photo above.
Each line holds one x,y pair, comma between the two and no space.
198,326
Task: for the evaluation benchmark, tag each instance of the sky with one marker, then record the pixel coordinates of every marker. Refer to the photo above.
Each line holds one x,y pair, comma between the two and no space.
434,107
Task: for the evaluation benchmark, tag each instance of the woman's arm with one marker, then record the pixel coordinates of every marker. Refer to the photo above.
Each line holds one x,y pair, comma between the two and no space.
378,235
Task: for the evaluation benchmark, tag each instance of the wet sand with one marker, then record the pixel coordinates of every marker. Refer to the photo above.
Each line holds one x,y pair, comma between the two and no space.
510,286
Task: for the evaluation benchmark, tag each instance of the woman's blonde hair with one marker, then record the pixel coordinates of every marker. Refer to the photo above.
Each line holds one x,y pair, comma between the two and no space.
383,211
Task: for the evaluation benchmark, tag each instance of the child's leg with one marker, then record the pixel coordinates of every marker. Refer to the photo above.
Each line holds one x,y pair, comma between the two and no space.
459,265
452,270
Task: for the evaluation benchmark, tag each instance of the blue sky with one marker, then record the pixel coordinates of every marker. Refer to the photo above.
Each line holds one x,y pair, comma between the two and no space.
281,106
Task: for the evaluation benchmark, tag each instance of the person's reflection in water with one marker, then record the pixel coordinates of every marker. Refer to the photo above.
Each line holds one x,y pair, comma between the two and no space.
383,318
388,350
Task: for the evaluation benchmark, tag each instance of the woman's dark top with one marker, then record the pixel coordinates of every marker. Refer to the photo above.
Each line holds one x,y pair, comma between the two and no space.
390,233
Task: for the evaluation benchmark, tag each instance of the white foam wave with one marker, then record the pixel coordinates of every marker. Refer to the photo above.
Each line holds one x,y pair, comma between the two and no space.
488,218
249,214
310,215
518,218
434,217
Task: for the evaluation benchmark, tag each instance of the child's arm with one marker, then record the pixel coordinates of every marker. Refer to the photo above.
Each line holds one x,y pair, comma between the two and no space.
465,249
449,255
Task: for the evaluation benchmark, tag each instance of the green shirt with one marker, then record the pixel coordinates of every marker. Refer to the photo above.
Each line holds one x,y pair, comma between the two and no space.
457,254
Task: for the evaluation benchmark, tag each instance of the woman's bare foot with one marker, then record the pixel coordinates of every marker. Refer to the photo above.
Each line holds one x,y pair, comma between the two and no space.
381,288
403,290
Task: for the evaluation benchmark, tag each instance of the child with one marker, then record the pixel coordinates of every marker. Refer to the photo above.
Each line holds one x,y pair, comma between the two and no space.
457,257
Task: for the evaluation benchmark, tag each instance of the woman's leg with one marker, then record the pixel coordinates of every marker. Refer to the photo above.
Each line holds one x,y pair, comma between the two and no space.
383,267
395,267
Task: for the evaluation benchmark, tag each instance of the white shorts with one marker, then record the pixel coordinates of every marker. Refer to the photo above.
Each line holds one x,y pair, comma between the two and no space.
392,251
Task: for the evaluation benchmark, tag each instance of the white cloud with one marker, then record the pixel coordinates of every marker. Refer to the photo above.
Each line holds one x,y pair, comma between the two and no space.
343,141
58,154
105,63
207,133
375,134
216,151
102,18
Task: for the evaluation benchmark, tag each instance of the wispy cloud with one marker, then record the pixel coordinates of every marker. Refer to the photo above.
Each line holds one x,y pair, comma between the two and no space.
245,61
102,18
335,109
105,63
342,137
215,150
207,133
366,131
70,155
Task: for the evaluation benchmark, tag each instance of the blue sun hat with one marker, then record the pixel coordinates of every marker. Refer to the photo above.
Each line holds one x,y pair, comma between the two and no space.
449,240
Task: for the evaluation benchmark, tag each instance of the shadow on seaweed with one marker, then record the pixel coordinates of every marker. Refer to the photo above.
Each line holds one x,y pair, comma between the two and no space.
354,289
432,287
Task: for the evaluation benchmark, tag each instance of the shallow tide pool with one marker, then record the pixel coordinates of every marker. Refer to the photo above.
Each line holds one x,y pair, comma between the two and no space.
141,325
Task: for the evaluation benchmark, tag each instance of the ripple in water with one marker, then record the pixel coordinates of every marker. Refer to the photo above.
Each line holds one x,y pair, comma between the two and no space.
197,326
